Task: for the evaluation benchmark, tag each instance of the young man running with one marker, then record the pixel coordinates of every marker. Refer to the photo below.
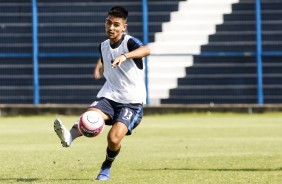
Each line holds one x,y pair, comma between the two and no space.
120,100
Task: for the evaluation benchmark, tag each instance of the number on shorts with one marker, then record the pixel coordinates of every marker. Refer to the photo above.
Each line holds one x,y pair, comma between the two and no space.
127,114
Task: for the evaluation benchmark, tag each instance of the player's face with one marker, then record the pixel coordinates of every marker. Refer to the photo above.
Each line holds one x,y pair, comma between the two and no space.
115,27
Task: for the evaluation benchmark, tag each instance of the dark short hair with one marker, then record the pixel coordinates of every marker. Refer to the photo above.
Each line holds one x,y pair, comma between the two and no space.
118,11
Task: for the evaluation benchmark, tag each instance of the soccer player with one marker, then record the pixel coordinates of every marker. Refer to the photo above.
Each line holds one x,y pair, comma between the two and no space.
120,100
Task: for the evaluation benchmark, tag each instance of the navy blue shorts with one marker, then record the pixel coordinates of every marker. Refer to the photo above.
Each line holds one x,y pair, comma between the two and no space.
129,114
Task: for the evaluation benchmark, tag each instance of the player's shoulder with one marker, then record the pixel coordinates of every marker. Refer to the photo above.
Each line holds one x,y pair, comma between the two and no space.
133,43
105,41
104,44
133,39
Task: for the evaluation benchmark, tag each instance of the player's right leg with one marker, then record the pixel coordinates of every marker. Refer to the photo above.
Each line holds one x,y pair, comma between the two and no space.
63,133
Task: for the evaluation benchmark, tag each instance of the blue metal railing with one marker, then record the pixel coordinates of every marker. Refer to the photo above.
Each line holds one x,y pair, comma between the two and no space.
97,54
259,54
36,90
145,41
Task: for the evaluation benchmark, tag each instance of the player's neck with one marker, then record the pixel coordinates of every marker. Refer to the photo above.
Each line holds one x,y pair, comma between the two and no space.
117,39
118,42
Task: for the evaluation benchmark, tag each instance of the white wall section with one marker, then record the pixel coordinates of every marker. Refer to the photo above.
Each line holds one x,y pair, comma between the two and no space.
188,29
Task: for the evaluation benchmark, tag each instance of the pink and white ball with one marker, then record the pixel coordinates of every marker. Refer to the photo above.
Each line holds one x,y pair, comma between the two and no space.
91,124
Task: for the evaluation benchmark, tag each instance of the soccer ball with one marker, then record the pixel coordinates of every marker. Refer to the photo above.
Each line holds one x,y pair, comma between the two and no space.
91,124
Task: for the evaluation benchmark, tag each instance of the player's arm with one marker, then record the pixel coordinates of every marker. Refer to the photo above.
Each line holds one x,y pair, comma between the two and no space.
136,50
98,70
140,52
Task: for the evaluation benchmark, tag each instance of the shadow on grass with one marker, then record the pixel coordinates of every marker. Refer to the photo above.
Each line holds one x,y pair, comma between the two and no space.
20,179
28,180
219,169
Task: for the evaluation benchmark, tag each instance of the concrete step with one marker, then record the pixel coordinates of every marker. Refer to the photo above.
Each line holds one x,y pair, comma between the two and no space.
174,47
189,26
204,4
196,15
173,36
157,61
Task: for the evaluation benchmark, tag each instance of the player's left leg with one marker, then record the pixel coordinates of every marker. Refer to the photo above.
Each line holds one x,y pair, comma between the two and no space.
115,136
128,117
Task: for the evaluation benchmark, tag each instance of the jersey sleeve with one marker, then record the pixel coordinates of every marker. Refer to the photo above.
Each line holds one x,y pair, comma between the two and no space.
134,43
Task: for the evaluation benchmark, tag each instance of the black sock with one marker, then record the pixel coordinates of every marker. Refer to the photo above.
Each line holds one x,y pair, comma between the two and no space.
110,157
75,132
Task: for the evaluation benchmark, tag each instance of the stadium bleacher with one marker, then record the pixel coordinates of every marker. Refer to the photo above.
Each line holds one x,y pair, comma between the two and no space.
233,80
64,27
15,37
77,27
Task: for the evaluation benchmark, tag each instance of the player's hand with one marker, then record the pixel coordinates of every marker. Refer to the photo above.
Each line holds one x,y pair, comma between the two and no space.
118,61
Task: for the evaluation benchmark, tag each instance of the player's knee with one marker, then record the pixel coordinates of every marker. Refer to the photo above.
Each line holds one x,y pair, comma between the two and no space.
116,134
113,141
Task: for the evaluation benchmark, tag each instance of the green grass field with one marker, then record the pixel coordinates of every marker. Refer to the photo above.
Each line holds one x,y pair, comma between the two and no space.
164,149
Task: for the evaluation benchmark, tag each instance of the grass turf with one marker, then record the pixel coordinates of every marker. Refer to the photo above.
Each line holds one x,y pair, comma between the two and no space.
174,149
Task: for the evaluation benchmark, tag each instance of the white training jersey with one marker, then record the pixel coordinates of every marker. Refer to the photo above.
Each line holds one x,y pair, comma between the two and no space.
125,83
